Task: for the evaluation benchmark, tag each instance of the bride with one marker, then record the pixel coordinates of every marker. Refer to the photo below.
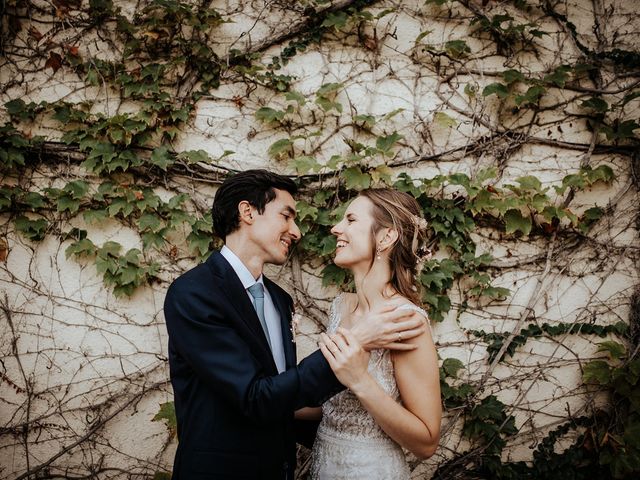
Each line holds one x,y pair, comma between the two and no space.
392,399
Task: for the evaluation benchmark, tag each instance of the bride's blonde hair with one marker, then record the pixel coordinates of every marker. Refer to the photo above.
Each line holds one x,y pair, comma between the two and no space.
401,212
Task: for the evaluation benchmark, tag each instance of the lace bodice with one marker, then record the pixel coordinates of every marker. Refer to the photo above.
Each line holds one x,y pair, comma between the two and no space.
350,444
343,413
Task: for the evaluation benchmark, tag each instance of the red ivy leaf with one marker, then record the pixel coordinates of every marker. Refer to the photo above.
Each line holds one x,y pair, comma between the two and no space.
35,33
54,62
4,249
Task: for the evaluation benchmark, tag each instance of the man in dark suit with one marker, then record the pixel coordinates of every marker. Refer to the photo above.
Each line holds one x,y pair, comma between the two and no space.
231,355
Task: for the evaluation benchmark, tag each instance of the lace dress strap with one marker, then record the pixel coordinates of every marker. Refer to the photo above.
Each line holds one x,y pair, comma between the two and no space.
415,308
334,313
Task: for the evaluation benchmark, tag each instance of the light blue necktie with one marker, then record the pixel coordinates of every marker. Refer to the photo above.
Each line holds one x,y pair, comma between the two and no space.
257,292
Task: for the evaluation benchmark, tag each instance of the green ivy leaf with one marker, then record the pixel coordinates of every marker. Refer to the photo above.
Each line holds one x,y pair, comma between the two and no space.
130,274
152,239
333,275
178,217
66,203
457,48
77,189
329,89
470,90
199,242
100,156
337,20
6,195
384,144
529,182
33,200
109,249
33,230
177,201
512,76
531,96
451,366
84,247
15,107
326,104
95,216
423,34
327,245
305,210
559,76
491,292
268,115
602,173
444,120
161,158
356,179
596,104
295,97
149,221
195,156
167,414
515,221
393,113
490,408
280,147
12,157
120,205
406,184
498,89
368,120
589,217
615,350
597,371
381,174
305,165
133,256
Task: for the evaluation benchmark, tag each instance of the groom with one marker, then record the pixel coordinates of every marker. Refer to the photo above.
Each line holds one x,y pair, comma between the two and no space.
231,353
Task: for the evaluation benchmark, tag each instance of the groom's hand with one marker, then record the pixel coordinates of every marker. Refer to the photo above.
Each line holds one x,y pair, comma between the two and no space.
389,328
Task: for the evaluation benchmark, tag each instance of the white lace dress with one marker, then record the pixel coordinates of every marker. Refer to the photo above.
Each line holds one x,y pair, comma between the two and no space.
350,445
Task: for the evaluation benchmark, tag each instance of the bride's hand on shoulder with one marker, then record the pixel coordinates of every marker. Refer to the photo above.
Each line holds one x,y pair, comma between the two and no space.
390,327
346,357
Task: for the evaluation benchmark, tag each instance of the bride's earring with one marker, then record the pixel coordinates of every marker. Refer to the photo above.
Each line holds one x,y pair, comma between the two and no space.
378,251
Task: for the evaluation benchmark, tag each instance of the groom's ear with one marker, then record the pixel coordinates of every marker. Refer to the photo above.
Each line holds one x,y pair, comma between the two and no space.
245,212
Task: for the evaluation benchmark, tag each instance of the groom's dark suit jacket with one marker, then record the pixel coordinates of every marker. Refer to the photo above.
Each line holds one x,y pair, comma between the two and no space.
234,411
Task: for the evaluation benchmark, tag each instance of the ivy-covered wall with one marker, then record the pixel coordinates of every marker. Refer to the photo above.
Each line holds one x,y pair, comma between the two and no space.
515,123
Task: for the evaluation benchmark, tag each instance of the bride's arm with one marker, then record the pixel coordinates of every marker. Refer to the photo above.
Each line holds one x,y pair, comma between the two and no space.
416,424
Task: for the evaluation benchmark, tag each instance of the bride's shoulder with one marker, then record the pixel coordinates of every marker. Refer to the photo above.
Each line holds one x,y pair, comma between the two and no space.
405,303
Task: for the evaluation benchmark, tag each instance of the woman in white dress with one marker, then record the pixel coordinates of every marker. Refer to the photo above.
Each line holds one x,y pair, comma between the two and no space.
392,401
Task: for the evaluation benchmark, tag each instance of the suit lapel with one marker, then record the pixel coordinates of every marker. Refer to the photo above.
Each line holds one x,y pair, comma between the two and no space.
285,323
238,298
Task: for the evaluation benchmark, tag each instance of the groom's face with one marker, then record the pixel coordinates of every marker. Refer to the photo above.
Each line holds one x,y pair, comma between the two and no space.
274,231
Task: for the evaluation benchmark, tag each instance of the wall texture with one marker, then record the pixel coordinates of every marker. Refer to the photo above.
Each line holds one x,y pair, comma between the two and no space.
515,123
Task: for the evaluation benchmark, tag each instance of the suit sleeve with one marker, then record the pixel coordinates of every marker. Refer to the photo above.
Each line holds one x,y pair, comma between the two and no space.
221,358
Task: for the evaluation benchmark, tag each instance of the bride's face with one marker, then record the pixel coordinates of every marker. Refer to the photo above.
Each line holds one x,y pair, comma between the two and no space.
353,232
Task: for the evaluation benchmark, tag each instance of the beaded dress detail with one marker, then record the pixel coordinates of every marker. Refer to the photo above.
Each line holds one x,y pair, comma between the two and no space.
350,444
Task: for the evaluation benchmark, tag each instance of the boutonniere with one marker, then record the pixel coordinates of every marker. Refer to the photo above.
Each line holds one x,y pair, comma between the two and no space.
295,326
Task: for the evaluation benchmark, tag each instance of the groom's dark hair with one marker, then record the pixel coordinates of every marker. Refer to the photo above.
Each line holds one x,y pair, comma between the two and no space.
255,186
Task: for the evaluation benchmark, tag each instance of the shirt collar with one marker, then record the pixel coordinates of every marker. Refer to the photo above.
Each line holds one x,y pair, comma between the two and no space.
240,268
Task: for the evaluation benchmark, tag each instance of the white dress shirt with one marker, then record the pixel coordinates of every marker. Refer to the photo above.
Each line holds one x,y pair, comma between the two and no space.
271,315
